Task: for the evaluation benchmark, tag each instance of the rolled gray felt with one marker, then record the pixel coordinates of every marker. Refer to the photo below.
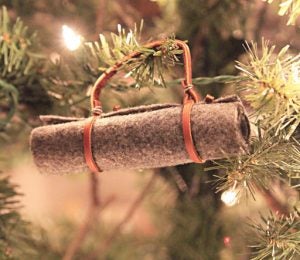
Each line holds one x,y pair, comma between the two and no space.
142,137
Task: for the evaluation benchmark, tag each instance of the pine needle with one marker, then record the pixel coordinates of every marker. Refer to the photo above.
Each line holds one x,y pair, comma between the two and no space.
290,8
148,69
276,237
272,87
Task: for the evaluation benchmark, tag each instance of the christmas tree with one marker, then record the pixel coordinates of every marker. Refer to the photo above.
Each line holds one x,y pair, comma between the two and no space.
240,207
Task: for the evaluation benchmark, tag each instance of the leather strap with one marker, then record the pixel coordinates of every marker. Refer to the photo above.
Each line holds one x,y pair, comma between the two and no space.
87,145
187,132
190,97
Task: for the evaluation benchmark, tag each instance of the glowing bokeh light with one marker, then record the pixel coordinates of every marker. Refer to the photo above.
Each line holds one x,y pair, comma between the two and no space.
72,39
230,197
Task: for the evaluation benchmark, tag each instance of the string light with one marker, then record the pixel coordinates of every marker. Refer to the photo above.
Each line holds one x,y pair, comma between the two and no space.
230,197
227,241
72,39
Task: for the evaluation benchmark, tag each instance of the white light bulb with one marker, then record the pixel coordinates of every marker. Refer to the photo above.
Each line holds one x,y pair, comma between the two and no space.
230,197
71,38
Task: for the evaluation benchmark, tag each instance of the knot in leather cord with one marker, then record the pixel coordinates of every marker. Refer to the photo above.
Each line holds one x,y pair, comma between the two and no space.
97,111
189,92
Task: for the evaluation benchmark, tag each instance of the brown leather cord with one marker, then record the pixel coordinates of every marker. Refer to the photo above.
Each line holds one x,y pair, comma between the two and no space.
187,83
87,145
187,132
190,97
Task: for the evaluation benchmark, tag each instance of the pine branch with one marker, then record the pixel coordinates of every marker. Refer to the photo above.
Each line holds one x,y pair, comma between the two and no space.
17,57
290,8
8,98
67,83
120,85
149,67
19,62
9,216
270,158
273,87
276,237
221,79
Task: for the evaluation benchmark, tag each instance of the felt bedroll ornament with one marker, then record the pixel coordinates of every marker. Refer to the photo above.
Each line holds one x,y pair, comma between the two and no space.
143,137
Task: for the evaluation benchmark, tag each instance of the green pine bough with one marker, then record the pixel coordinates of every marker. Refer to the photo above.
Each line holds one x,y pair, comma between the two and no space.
19,63
10,96
268,81
290,8
9,216
276,237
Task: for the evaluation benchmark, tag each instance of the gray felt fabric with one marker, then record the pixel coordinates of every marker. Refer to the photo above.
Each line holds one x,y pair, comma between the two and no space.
142,137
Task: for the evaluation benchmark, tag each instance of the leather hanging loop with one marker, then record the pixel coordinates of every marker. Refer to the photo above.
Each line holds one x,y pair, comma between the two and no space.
190,97
187,83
